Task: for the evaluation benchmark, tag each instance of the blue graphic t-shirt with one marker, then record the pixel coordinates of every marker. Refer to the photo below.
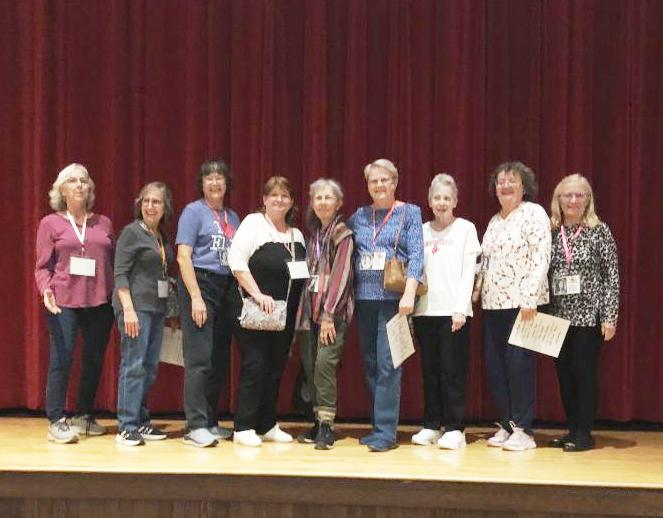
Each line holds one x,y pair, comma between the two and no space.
200,229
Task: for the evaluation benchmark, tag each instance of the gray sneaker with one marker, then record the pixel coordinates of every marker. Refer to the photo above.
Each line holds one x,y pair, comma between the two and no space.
200,437
221,433
87,425
60,432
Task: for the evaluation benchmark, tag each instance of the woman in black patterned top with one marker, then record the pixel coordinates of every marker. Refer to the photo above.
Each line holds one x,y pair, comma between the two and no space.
584,281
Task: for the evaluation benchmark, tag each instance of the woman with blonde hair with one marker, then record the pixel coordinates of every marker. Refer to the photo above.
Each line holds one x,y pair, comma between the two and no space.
74,276
584,277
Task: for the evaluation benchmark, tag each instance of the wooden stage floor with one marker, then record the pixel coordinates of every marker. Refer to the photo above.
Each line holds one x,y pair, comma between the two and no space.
623,476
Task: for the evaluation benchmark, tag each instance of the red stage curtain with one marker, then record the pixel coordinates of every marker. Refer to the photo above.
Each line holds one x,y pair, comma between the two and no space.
143,90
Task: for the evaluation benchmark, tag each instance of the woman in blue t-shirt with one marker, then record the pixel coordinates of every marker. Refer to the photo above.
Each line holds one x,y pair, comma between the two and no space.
209,300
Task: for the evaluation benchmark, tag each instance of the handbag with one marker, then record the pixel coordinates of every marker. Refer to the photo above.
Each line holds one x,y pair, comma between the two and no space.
172,303
395,271
252,317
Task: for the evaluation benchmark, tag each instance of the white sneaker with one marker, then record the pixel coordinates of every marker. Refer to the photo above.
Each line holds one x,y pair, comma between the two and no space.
277,435
454,440
500,437
519,440
425,437
247,438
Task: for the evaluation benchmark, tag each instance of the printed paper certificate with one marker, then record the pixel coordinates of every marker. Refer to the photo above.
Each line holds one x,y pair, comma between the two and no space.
543,334
400,340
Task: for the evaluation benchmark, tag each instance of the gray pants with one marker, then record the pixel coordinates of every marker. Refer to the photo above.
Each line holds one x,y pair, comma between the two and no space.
320,363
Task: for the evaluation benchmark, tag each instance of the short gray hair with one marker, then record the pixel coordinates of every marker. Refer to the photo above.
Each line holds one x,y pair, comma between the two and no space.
440,180
384,164
56,200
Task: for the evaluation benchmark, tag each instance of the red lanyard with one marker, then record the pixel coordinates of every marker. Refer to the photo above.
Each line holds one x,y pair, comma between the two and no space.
376,231
565,244
227,229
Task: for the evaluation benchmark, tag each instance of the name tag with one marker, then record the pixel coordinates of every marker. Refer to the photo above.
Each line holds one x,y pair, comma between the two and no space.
566,285
223,256
313,284
298,270
84,266
162,289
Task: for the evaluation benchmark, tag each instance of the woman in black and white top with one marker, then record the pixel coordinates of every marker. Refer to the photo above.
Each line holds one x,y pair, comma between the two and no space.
584,278
266,256
513,278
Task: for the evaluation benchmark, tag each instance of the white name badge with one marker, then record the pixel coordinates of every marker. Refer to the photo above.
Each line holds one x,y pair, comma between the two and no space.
298,270
223,256
378,261
365,261
84,266
313,284
566,285
162,289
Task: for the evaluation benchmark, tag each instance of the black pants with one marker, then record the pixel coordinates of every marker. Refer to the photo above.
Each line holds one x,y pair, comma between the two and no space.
264,356
207,349
577,367
444,358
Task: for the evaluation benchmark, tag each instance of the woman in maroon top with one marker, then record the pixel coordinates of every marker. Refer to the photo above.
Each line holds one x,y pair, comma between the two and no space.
74,276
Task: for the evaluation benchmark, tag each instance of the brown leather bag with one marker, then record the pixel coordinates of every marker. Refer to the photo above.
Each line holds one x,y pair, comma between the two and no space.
395,271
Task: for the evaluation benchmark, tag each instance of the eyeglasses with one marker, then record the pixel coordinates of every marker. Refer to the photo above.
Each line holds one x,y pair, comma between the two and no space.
151,201
570,195
508,183
378,181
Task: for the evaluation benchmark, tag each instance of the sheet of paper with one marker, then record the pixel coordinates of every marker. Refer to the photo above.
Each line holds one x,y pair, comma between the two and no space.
171,347
400,340
544,334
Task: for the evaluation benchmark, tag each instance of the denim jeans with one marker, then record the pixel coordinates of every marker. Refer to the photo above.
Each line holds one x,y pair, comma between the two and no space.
510,370
95,324
138,368
320,363
206,349
384,382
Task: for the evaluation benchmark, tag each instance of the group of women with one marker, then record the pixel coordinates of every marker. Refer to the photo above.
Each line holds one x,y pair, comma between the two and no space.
316,285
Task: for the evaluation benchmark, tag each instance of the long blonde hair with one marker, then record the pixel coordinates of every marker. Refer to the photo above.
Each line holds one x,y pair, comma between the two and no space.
589,219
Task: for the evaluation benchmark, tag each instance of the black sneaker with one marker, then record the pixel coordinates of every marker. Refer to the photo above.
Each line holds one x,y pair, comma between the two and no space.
129,438
151,433
309,436
325,438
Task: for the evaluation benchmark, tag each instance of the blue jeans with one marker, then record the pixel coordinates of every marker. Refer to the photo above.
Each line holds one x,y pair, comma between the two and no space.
138,369
510,370
384,382
95,324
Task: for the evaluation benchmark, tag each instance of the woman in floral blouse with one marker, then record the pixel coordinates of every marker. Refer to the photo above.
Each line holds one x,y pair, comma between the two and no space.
515,257
584,279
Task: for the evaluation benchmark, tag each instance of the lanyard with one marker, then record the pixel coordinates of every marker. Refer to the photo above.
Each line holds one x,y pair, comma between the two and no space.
80,235
160,246
376,231
290,247
565,244
227,229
